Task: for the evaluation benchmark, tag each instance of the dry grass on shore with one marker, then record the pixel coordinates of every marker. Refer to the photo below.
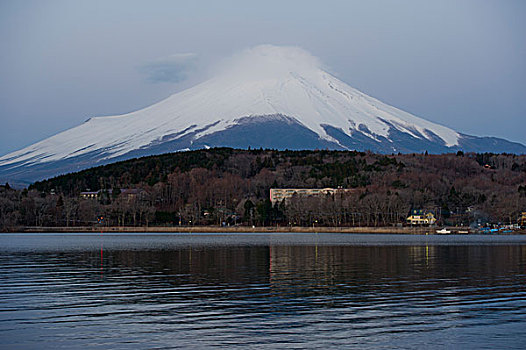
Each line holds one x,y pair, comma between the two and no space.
232,229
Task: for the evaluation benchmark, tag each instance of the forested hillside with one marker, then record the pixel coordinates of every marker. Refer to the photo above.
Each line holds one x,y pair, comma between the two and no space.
229,186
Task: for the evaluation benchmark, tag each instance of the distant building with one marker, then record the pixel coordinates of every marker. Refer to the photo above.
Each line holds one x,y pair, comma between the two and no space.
128,193
522,219
280,194
421,217
89,195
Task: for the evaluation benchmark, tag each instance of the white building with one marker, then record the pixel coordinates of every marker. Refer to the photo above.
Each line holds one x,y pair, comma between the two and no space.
280,194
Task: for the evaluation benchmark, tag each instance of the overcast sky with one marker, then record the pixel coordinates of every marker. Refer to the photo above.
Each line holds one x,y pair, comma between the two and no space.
458,63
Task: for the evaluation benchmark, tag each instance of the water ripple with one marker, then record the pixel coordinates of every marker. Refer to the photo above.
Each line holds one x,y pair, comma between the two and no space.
291,295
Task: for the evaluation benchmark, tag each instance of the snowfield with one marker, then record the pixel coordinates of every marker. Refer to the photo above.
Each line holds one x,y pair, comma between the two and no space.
267,96
265,80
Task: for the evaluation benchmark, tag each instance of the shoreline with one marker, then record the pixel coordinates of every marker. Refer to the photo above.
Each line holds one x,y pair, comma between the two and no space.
247,229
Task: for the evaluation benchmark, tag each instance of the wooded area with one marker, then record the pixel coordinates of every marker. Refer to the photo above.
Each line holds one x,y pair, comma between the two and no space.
226,186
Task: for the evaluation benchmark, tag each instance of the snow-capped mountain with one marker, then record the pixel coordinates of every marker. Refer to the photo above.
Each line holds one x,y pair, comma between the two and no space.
268,96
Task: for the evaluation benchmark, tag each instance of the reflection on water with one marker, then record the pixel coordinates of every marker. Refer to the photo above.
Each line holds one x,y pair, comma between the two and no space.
281,291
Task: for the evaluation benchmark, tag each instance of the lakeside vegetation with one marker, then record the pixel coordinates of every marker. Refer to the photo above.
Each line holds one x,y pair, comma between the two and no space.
226,186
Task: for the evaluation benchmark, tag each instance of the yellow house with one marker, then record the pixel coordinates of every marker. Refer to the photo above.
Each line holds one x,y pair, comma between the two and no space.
421,217
522,219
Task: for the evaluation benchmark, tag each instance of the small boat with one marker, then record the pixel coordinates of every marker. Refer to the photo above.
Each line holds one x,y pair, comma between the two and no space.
444,231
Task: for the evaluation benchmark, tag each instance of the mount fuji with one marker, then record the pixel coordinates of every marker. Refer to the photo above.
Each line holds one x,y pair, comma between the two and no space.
267,96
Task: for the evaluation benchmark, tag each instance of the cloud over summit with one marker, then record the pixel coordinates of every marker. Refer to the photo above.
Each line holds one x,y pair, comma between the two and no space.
170,69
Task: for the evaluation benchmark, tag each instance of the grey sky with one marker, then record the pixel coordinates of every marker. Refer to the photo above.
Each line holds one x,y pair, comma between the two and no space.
458,63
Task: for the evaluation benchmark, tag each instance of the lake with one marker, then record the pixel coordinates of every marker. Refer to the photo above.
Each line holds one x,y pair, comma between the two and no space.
165,291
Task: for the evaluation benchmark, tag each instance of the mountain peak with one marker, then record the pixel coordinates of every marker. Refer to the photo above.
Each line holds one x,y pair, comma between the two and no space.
267,96
269,61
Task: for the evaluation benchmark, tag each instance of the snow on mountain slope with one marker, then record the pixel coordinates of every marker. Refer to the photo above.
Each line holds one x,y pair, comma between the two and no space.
265,80
284,88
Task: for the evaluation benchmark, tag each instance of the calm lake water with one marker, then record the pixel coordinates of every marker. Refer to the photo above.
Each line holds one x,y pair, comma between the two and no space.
149,291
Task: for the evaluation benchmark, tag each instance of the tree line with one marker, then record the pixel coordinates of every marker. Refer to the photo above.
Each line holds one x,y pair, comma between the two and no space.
226,186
